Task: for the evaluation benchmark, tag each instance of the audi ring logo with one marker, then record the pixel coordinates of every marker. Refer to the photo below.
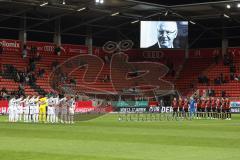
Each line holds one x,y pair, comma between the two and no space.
49,48
153,54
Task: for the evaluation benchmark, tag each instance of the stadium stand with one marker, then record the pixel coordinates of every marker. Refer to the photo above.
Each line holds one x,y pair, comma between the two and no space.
185,81
191,70
230,86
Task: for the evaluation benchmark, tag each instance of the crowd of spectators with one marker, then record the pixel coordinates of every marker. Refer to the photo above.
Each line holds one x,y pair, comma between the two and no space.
24,51
203,79
58,49
4,93
211,93
221,79
228,60
29,75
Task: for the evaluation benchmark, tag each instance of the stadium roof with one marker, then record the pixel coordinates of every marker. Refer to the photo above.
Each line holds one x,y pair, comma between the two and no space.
80,18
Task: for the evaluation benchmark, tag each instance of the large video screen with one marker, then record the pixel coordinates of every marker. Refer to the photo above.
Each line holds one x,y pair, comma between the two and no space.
163,34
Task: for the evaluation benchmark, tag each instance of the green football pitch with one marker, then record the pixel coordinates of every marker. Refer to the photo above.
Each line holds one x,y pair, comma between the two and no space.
105,138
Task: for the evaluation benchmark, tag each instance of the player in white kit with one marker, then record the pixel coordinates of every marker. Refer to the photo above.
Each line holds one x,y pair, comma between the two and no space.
36,110
26,109
63,109
71,110
20,105
11,109
50,111
31,108
56,108
15,109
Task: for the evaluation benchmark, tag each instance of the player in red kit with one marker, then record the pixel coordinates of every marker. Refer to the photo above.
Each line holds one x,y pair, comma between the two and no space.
208,108
180,107
213,108
199,108
185,108
223,115
175,107
203,107
218,107
227,109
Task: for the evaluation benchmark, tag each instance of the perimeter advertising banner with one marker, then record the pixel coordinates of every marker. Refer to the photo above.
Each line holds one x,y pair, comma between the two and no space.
84,106
42,47
88,106
3,107
130,106
235,106
140,106
137,104
163,109
10,45
81,107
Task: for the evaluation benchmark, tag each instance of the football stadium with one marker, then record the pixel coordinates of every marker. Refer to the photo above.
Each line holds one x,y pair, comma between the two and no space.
119,79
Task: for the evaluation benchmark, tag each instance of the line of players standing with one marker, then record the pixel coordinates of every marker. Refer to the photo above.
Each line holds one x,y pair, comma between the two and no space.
211,108
42,109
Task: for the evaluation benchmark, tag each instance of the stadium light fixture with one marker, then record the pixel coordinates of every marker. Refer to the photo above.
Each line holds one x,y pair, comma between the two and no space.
114,14
238,5
81,9
44,4
166,13
192,22
228,6
226,16
64,2
135,21
99,1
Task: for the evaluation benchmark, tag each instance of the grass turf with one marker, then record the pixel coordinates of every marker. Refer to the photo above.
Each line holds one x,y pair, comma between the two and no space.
106,138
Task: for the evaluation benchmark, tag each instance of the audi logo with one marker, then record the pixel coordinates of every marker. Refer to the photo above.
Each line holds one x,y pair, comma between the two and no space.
153,54
48,48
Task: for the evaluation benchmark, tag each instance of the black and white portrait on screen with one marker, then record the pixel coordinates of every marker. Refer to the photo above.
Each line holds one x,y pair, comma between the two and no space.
164,34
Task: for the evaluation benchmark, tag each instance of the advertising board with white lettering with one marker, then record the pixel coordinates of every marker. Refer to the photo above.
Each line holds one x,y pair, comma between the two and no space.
235,106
